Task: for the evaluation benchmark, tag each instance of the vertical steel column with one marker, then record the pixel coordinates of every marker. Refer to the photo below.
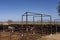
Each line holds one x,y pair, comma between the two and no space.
22,22
26,21
56,26
33,24
22,25
41,24
51,23
22,28
33,21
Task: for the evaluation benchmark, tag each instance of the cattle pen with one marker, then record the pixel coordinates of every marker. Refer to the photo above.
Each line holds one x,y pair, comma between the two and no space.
31,27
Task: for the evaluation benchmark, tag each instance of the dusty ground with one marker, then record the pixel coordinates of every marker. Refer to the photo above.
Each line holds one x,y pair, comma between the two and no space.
52,37
18,36
27,36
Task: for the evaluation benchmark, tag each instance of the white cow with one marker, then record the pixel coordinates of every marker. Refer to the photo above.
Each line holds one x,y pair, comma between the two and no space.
11,28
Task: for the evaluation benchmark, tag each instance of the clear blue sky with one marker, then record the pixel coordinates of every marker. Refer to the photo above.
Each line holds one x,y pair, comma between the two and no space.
13,9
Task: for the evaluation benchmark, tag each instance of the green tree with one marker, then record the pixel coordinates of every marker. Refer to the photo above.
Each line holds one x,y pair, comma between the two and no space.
59,8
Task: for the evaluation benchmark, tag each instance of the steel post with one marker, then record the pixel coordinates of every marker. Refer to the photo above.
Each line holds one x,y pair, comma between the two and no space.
41,24
51,23
26,21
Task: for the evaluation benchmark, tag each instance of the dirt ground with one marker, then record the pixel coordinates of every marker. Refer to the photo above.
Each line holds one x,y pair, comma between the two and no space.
51,37
27,36
18,36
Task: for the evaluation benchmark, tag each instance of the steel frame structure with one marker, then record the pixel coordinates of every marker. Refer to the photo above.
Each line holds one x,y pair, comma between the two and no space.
43,15
38,15
55,23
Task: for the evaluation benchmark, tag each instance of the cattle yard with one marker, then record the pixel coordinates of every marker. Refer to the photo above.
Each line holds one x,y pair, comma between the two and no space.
29,29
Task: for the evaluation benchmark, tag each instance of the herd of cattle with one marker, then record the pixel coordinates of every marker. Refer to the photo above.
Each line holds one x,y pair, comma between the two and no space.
37,28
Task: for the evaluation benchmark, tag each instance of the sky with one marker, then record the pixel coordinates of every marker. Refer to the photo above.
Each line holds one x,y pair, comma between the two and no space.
13,9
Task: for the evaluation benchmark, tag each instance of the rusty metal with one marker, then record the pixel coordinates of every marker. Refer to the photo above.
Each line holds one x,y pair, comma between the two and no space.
40,15
51,23
26,21
33,21
56,24
41,24
22,25
33,24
